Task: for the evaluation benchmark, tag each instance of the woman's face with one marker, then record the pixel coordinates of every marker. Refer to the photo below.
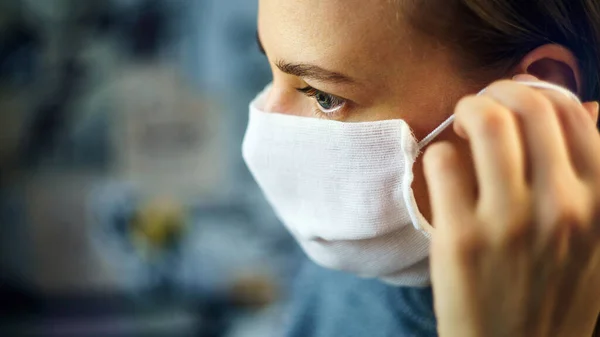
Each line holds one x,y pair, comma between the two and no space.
359,60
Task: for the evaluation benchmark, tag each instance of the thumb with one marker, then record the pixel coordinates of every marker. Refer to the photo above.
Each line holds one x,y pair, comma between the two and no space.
451,189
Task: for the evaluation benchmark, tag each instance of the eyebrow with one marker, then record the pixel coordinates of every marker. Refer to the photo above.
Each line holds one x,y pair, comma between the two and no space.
313,72
306,70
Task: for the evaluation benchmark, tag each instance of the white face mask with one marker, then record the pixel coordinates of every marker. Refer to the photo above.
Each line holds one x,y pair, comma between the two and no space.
344,190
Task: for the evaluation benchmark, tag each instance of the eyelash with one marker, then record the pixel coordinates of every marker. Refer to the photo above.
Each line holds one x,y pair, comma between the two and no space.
338,102
311,92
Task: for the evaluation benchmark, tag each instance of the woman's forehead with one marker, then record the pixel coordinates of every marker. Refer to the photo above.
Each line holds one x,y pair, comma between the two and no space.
344,35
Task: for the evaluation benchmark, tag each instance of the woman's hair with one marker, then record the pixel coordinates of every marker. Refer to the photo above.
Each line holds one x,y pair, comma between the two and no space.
494,35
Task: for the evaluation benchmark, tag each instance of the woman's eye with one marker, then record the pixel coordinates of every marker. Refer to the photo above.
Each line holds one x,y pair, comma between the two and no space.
327,103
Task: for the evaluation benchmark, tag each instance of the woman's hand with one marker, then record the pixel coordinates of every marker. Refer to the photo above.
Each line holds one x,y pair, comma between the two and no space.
516,250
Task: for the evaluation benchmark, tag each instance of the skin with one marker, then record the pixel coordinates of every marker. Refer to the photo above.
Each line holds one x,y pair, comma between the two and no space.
401,84
512,190
520,257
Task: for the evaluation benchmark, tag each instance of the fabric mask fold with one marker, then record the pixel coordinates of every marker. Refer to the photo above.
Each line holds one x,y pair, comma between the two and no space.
344,190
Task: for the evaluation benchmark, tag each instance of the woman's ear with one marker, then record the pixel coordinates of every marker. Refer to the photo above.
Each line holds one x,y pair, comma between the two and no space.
555,64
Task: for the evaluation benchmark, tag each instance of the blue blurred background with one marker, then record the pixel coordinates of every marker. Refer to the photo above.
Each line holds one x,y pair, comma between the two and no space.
125,207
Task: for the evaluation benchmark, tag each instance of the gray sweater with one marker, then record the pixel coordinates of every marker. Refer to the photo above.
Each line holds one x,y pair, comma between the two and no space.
328,303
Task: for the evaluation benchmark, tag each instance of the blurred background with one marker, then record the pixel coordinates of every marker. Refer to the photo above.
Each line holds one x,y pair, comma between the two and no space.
125,206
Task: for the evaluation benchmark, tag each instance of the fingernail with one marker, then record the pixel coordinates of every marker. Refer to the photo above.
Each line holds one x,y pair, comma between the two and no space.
525,78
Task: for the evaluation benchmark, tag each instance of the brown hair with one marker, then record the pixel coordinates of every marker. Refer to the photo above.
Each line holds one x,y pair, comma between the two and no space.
492,36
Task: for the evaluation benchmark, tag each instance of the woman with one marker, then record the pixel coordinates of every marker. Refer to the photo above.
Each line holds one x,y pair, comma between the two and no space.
505,204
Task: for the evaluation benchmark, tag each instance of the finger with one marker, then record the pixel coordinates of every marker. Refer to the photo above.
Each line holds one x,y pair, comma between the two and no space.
579,131
451,188
580,134
494,137
540,127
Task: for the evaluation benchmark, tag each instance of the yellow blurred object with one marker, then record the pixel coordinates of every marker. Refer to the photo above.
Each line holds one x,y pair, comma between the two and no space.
159,225
254,291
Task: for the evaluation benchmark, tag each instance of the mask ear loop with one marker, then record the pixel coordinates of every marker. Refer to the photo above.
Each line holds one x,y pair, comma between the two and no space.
425,141
419,225
540,85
